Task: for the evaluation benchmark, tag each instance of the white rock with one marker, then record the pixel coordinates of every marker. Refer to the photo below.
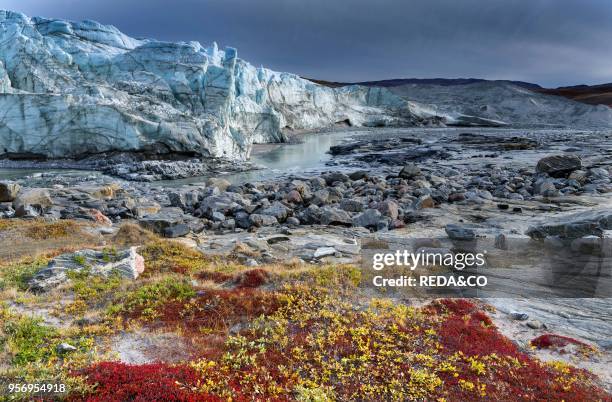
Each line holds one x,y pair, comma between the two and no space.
324,252
128,263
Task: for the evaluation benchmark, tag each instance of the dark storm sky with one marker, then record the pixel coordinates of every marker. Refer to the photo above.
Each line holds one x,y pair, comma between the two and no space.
550,42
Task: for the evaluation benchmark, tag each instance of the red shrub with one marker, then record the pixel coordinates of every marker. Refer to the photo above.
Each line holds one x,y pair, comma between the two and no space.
217,277
556,341
473,338
252,279
217,310
456,306
482,317
149,382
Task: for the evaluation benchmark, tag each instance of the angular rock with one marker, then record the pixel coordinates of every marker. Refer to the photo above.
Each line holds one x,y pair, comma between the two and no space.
324,252
559,165
175,231
162,221
37,199
242,220
335,217
410,171
8,191
262,220
331,178
389,208
278,210
368,218
224,203
221,184
359,175
458,232
294,197
424,201
350,205
127,263
310,215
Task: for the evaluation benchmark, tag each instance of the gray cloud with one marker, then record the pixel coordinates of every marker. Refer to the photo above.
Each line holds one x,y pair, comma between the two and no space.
551,42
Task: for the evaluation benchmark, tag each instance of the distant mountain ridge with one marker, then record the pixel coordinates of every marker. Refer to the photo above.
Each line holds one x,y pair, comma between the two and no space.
592,94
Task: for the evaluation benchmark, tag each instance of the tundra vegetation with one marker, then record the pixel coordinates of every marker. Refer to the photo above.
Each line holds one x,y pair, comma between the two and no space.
290,331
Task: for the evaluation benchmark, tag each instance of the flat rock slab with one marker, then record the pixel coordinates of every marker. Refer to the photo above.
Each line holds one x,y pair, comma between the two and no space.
574,226
127,263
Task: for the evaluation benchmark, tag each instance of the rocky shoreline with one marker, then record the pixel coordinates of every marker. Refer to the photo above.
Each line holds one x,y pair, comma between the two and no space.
413,177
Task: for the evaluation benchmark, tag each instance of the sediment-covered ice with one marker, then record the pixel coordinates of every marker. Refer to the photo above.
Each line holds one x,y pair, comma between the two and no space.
503,103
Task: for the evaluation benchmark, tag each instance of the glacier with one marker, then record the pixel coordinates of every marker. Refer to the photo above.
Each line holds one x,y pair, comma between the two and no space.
506,103
70,89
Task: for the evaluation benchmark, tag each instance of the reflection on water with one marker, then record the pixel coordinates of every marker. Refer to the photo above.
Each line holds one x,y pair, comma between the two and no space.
300,158
280,159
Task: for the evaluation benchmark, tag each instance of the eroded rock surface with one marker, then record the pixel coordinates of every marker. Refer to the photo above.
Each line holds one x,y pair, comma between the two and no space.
127,263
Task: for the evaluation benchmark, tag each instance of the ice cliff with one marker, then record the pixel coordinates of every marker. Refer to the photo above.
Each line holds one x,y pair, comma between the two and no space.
75,88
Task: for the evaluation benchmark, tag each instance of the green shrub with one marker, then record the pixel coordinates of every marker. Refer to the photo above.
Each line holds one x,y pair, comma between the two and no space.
29,341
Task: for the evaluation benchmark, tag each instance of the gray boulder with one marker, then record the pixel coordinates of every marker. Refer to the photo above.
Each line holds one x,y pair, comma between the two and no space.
262,220
368,219
458,232
186,200
410,171
559,165
331,178
389,208
8,191
224,203
310,215
278,210
175,231
351,205
163,221
335,217
242,220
